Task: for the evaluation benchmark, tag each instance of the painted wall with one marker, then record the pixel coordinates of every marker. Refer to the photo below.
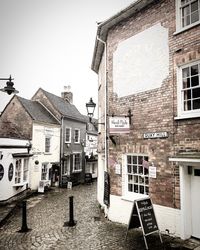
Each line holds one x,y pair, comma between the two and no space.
8,188
141,62
38,149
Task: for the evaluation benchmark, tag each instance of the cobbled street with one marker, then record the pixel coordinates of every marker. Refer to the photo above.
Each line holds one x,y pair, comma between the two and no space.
47,213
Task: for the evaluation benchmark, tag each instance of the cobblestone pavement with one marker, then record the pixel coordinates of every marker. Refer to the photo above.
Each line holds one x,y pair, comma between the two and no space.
47,213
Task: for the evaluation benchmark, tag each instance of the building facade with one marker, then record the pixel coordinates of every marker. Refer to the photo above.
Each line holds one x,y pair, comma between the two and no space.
147,58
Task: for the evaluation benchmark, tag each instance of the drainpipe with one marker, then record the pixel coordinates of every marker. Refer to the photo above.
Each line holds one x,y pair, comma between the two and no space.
105,93
61,149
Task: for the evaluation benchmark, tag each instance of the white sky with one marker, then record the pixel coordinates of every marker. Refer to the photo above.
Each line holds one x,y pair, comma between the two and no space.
49,44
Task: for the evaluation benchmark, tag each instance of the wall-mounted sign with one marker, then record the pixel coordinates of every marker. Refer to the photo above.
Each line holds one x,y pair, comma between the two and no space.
119,125
117,169
155,135
152,171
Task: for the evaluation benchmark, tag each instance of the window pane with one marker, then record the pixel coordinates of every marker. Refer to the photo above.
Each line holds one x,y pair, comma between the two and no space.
194,81
140,169
130,178
194,6
130,187
141,189
186,72
140,160
196,104
135,169
187,105
196,93
194,70
141,180
129,169
129,159
134,159
135,179
136,188
194,17
187,94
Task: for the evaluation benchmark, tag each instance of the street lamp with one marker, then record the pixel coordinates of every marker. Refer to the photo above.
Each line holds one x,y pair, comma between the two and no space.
9,89
90,109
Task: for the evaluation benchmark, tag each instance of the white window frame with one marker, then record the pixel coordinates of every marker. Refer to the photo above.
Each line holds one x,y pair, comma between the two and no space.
21,174
46,145
182,114
80,165
131,195
77,137
44,172
179,27
70,134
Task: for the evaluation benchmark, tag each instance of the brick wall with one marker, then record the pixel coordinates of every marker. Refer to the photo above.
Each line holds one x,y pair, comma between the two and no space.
155,110
15,121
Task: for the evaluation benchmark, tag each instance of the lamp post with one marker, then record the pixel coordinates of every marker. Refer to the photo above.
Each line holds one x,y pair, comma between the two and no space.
90,109
9,89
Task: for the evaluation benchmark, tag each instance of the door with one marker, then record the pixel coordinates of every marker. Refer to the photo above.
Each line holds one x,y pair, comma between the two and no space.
195,201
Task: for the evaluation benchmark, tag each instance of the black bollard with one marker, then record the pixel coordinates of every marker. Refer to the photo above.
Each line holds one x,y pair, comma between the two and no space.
24,227
71,221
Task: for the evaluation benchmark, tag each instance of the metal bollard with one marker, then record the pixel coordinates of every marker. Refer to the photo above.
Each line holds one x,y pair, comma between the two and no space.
71,221
24,227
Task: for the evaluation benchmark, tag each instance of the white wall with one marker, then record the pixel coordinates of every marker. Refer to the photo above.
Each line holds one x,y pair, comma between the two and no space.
141,62
38,149
8,188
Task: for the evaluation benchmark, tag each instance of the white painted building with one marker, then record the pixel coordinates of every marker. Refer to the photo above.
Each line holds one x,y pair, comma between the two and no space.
14,167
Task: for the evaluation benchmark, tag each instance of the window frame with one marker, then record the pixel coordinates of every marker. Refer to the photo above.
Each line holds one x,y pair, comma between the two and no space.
185,114
70,135
131,195
44,173
80,162
179,27
21,175
78,138
46,145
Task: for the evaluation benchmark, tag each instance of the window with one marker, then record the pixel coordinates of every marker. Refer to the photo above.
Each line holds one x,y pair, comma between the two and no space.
21,171
18,171
47,144
77,166
77,135
137,174
68,135
25,178
188,13
44,172
189,90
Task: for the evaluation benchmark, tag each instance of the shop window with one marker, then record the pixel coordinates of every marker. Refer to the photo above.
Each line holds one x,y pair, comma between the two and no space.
10,172
77,166
137,174
189,90
21,171
1,172
18,171
188,13
44,172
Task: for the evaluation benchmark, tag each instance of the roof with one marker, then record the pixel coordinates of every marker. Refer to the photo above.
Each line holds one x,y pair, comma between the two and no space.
64,108
105,26
37,111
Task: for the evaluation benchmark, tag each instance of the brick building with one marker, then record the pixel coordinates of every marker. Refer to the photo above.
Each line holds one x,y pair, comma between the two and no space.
147,58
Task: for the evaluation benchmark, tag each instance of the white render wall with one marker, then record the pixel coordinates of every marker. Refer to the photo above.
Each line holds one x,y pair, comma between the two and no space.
168,218
141,62
38,149
7,188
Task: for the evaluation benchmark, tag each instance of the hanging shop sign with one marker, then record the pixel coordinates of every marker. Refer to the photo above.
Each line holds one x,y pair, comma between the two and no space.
142,215
117,169
155,135
119,125
152,171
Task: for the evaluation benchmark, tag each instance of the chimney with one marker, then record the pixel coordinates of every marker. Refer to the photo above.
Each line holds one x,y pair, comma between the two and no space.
67,94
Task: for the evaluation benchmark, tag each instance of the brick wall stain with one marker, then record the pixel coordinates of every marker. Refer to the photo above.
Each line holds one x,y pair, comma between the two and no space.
154,110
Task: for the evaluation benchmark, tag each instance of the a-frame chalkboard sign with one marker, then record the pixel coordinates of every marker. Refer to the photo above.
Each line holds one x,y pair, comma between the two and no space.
142,215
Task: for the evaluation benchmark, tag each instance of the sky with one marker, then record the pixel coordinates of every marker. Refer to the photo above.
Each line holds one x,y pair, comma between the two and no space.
49,44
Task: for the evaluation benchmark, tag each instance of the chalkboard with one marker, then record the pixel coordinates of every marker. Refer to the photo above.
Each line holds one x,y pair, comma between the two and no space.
147,216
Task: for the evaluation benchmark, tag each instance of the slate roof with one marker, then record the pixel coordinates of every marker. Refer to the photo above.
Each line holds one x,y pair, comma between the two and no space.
64,108
37,111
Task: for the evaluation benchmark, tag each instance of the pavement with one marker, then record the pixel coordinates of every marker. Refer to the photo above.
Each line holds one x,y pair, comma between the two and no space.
47,229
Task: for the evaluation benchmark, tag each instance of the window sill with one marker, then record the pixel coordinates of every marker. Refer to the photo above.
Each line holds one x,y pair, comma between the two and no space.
188,116
133,197
21,184
47,153
186,28
77,171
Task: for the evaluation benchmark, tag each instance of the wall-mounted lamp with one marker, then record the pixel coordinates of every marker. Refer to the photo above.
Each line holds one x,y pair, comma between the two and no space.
9,89
90,106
